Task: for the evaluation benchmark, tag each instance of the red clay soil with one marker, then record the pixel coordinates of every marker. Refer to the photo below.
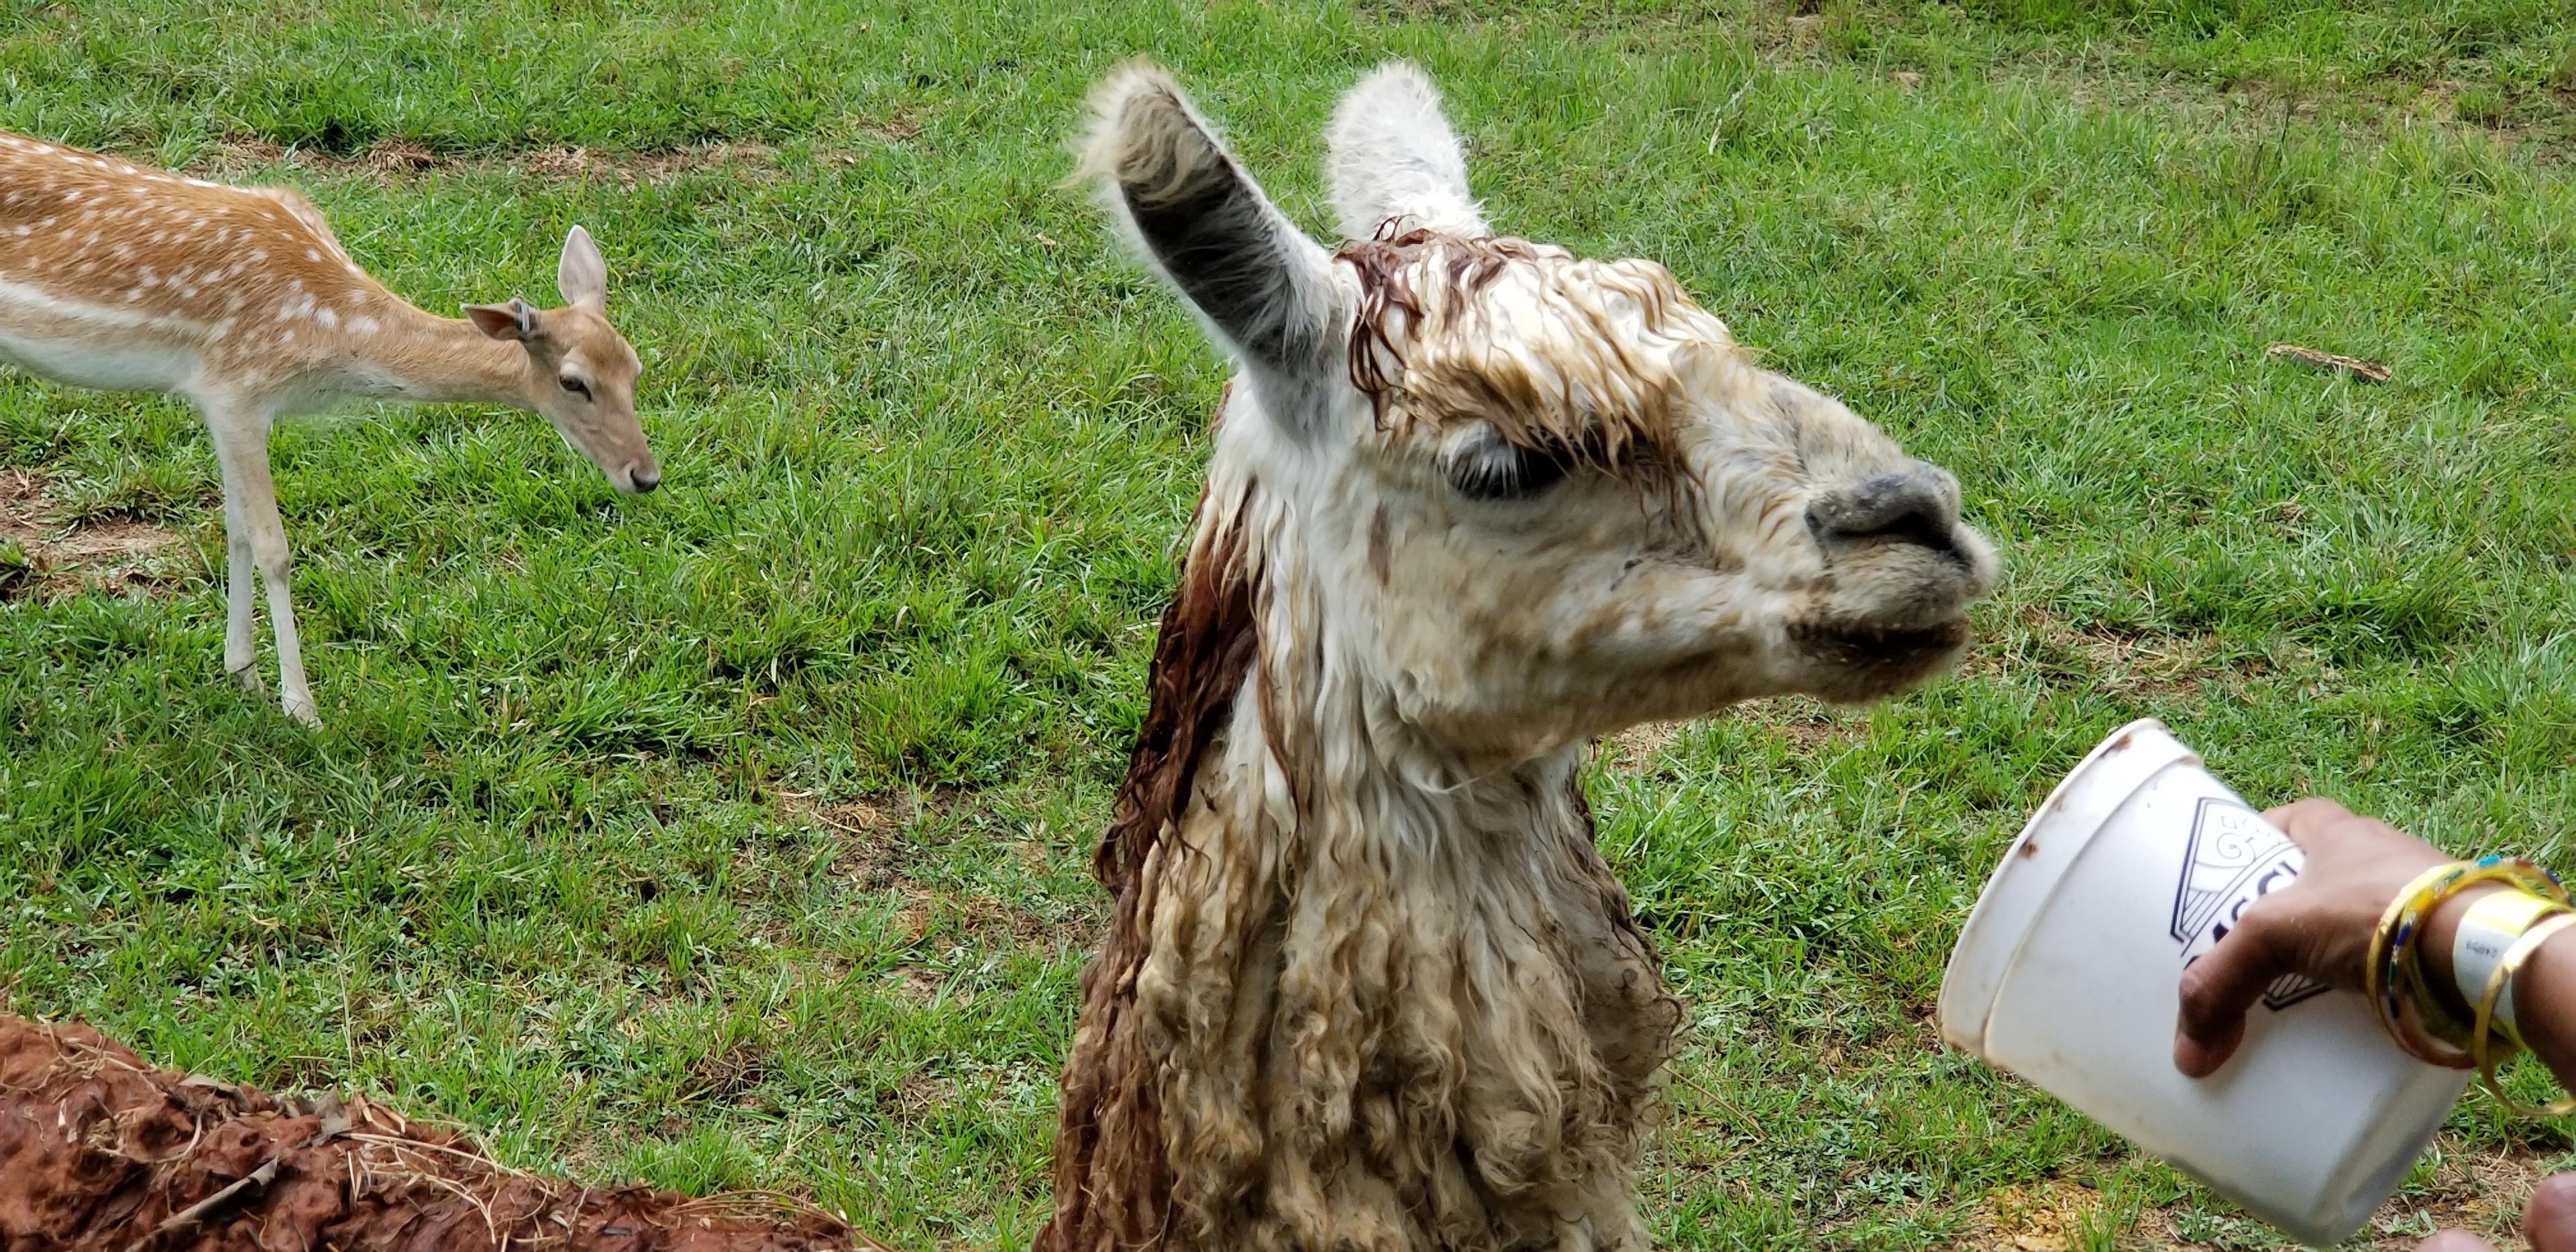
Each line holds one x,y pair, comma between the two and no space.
102,1153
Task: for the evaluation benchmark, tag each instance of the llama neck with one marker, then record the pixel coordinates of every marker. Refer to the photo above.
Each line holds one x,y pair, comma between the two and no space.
1423,988
1358,992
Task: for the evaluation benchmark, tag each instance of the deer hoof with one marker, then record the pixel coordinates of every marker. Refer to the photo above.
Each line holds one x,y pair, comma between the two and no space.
248,678
301,708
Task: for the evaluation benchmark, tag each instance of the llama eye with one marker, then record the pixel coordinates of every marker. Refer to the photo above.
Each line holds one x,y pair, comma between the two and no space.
577,387
1495,470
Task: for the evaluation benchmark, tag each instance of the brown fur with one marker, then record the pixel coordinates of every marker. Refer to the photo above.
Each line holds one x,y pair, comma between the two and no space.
1113,1182
1421,347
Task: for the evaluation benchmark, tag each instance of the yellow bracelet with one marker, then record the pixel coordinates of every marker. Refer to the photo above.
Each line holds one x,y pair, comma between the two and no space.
2507,968
2378,969
2393,975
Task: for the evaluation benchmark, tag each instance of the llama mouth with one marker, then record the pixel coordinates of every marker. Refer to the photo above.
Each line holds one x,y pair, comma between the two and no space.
1878,659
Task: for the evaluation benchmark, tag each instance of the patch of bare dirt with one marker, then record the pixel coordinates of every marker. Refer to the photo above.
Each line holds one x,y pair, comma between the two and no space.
919,985
2136,664
1633,751
916,1099
2480,1192
44,557
2040,1217
399,159
877,828
902,126
104,1152
1807,724
729,1075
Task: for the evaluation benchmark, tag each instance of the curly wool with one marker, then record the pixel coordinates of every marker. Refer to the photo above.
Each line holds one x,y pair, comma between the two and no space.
1353,997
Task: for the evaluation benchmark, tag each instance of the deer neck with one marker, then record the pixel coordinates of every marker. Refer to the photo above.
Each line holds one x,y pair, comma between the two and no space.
428,359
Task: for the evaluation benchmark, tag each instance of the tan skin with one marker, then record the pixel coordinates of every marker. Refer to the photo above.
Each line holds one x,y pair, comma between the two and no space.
2321,927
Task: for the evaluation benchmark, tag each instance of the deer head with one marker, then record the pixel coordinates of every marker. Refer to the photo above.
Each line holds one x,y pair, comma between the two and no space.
1538,498
580,373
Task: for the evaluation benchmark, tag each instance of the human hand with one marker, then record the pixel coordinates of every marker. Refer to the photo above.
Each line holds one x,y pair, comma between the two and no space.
2319,926
2549,1222
2455,1241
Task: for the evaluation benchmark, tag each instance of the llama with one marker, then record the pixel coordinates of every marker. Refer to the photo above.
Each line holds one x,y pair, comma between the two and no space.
1472,504
242,301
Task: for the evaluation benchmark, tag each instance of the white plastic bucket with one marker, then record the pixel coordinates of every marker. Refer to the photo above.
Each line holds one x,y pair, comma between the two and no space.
2068,974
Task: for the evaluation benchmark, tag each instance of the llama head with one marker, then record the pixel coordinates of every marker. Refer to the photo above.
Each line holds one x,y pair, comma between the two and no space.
1534,498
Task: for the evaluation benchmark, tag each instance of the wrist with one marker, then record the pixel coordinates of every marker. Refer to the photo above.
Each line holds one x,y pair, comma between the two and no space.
2551,972
2441,931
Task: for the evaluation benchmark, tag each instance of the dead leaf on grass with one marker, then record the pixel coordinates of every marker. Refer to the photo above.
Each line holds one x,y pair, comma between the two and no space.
2366,371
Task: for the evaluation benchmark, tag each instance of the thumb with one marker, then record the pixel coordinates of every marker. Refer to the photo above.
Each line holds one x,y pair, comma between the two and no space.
2455,1241
2549,1221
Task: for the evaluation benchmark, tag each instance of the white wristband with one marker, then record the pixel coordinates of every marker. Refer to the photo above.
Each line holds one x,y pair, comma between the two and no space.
2493,922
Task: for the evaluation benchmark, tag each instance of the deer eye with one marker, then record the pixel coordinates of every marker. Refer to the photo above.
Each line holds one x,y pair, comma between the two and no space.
575,386
1491,469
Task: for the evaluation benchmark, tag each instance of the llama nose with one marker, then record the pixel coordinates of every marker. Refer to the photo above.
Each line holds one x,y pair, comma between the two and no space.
1918,505
645,477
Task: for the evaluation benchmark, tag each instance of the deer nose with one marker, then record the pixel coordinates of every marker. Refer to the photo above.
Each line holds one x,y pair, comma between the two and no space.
1917,505
645,477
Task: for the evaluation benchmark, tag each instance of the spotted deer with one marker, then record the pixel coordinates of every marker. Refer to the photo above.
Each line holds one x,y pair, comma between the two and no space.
1472,502
241,301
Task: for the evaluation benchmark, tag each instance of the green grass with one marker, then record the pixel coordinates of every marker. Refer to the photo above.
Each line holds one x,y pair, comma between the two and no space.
734,836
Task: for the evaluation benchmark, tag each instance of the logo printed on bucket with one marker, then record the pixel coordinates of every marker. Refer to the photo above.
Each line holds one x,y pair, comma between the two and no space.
2233,859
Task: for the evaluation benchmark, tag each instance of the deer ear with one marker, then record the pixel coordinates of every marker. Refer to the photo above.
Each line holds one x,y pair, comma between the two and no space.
1395,160
581,275
1259,282
514,320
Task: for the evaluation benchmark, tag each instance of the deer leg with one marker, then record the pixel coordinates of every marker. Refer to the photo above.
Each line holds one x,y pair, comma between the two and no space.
242,445
241,651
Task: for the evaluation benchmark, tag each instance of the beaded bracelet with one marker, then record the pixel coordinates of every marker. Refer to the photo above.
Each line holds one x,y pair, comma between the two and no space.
2498,981
2393,972
2377,968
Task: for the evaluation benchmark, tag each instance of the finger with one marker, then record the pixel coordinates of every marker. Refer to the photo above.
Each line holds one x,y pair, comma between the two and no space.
2304,820
2199,1057
2455,1241
2549,1221
2218,988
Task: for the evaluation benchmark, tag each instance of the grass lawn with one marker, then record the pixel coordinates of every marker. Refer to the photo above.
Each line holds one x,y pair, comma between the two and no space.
735,836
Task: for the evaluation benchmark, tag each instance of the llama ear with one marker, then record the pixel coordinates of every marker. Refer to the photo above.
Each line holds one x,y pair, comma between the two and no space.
582,276
1394,158
1258,281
